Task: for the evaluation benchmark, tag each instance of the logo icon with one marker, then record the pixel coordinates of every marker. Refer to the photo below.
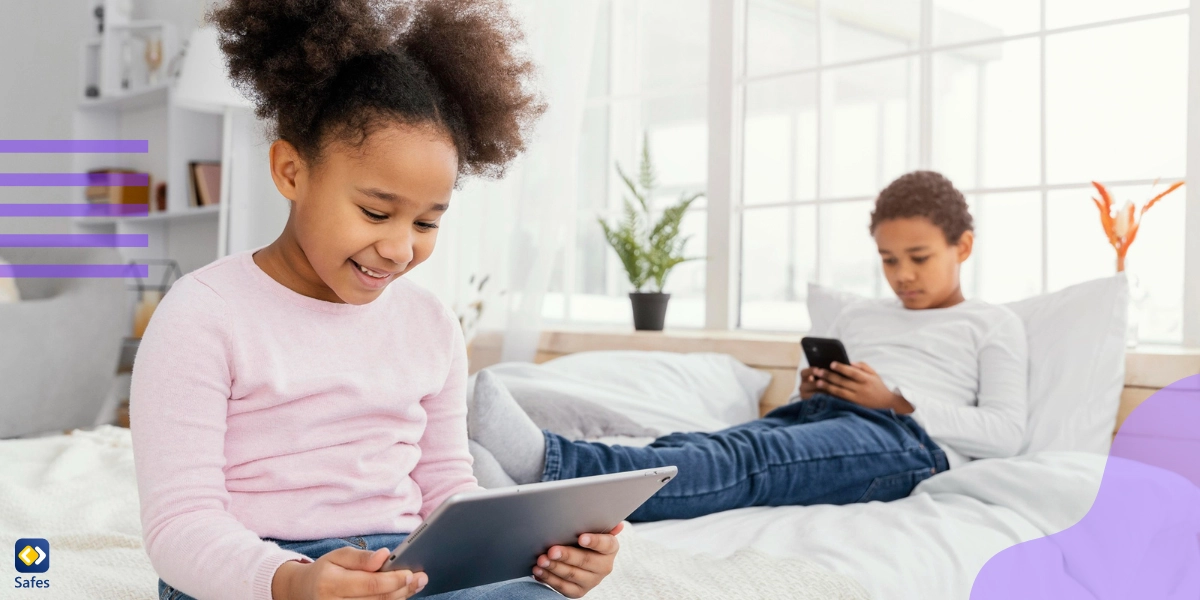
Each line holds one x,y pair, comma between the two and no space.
32,555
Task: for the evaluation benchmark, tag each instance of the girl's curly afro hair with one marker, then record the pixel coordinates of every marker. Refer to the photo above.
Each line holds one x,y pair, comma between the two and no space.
924,194
319,70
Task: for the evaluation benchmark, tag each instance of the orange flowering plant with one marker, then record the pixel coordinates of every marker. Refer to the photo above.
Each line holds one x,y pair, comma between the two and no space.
1122,226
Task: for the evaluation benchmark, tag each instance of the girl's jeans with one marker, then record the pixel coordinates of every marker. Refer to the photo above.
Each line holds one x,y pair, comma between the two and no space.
824,450
516,589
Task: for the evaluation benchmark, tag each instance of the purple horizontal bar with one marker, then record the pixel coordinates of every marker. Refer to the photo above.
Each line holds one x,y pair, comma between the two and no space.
74,240
74,271
77,209
74,179
43,146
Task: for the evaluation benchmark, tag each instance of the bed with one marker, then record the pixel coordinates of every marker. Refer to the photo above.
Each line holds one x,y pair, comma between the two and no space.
934,543
78,490
928,545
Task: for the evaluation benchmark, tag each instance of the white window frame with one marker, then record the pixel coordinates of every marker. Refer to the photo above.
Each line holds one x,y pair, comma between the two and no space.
726,116
621,52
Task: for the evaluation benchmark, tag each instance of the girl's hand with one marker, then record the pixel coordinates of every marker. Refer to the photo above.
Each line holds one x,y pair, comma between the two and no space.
345,573
860,384
575,571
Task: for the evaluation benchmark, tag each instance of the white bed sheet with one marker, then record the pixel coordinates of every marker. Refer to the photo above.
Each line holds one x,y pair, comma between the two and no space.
930,545
79,491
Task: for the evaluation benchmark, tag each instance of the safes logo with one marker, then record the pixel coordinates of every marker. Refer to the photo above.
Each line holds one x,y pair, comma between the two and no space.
31,555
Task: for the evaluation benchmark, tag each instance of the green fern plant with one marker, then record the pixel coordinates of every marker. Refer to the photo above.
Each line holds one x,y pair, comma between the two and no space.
648,250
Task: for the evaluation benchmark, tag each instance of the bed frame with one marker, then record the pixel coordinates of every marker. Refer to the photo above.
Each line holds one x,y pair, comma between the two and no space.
1146,370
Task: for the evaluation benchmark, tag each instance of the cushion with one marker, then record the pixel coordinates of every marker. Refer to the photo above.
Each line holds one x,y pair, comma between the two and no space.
824,304
660,391
1076,364
572,418
8,288
1076,340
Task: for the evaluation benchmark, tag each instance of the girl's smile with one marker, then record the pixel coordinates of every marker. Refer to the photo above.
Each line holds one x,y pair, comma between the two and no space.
376,281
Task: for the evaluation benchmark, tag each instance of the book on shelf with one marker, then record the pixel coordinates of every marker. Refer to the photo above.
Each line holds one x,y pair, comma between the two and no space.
117,194
205,189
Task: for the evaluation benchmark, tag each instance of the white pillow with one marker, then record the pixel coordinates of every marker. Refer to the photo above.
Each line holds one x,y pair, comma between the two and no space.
1076,364
664,391
1076,340
824,304
8,288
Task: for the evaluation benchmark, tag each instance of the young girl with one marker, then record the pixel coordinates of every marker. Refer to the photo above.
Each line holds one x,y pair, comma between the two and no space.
297,408
939,379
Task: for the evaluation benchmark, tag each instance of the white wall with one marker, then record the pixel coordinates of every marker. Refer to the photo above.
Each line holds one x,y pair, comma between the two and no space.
40,81
184,14
39,86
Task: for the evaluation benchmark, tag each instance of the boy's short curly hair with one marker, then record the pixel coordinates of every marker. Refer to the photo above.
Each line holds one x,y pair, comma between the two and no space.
339,69
926,194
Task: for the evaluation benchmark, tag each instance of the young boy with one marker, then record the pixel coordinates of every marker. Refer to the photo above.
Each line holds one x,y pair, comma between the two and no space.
937,379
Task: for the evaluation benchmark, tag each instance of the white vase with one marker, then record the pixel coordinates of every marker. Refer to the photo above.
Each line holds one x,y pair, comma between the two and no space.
1137,301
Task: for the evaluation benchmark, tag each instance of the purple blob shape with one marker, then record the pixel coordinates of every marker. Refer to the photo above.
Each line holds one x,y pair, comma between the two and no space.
1141,538
77,209
90,146
142,271
74,179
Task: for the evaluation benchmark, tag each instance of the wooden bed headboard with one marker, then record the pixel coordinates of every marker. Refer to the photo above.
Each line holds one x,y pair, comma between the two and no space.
1146,371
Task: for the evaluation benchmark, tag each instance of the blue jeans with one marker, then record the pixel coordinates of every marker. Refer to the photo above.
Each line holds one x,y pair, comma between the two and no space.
515,589
824,450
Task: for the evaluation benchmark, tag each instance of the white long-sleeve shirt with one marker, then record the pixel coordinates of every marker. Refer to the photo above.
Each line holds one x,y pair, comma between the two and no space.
963,368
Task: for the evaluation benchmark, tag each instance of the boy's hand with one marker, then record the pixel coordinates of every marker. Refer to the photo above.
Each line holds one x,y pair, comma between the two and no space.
575,571
860,384
808,383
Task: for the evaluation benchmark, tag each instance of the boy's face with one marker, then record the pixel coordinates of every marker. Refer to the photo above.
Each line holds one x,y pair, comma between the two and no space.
920,265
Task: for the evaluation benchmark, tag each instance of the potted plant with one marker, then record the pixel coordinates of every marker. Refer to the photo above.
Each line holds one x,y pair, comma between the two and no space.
647,249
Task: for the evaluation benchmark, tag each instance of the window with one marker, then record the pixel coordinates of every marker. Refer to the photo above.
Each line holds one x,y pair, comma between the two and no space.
650,68
842,96
1021,103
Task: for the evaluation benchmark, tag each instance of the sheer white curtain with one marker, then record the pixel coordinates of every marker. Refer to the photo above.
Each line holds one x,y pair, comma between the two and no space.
513,230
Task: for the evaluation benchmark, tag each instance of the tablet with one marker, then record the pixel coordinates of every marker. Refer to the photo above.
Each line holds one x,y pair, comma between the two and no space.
485,536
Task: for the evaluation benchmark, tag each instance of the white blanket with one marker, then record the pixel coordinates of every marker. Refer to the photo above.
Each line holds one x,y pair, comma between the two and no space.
929,545
645,569
79,492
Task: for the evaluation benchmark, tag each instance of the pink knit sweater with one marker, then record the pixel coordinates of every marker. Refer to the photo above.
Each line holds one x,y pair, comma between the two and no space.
256,411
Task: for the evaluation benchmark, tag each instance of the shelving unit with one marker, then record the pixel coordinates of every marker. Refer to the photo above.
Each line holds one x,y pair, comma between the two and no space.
132,105
251,211
176,135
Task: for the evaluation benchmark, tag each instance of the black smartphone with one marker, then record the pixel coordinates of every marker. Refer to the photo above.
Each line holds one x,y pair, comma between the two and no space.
820,352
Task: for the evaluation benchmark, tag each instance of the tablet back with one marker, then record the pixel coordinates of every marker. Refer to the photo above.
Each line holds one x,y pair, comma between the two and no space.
494,535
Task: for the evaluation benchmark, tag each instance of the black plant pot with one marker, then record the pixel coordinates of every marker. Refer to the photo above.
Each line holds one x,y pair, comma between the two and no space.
649,310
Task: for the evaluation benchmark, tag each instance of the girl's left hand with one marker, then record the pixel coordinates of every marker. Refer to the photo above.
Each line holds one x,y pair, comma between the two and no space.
860,384
575,571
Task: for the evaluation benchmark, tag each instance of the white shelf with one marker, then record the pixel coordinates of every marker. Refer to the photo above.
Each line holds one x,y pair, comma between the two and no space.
181,215
155,95
171,215
133,25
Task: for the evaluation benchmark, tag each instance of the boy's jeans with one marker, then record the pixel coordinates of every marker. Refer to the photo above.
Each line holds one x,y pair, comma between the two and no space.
516,589
824,450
